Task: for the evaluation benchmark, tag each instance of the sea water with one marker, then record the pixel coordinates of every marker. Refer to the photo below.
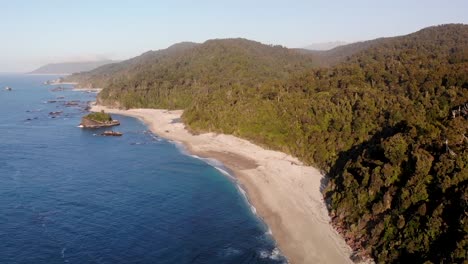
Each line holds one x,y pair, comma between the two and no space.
69,195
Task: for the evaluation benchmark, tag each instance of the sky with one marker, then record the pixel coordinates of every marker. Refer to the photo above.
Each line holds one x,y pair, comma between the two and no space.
34,33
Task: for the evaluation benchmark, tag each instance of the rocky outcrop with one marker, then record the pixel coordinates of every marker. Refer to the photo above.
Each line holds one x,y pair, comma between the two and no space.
89,123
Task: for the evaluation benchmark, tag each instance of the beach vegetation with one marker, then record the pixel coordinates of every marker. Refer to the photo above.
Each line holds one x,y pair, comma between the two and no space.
99,117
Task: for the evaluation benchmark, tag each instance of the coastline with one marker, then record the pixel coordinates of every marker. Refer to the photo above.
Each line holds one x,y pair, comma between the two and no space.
285,193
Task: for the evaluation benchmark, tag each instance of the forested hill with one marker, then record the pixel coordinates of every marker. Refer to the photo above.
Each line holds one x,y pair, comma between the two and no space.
169,78
105,75
387,123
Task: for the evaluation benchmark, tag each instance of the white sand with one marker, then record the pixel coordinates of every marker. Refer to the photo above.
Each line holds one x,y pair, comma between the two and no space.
285,193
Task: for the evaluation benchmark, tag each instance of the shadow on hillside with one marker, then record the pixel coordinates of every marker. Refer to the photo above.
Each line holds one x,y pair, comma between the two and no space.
355,152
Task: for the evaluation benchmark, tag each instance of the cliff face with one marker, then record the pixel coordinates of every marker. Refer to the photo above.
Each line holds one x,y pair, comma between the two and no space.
89,123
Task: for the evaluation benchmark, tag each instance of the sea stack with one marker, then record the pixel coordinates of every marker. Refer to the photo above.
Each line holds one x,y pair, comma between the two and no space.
98,120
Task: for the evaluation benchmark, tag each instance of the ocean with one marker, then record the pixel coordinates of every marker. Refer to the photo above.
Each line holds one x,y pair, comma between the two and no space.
68,195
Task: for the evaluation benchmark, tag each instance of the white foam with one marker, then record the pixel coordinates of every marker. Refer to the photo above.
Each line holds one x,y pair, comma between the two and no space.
194,156
180,147
154,137
212,162
244,194
275,254
253,209
225,173
221,168
230,251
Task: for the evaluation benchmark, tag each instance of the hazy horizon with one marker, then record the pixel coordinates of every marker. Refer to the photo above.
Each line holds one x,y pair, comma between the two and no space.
39,33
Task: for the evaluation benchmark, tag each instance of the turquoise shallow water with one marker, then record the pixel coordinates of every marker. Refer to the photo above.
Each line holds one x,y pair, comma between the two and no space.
69,196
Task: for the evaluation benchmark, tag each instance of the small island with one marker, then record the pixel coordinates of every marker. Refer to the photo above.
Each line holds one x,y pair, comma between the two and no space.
98,120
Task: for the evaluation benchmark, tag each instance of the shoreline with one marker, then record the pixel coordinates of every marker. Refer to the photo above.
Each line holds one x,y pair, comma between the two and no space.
285,193
219,166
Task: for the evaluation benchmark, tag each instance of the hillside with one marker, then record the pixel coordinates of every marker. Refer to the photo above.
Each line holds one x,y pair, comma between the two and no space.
70,67
168,78
107,74
384,120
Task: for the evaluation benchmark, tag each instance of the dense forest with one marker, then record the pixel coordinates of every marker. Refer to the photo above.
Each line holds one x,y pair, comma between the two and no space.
386,120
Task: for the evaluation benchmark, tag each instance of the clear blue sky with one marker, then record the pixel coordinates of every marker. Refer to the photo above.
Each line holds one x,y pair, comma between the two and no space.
36,32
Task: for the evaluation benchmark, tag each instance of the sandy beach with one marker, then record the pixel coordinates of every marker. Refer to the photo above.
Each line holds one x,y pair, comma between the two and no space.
285,193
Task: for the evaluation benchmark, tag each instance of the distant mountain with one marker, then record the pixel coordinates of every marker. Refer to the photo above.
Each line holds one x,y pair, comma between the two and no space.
70,67
325,45
332,57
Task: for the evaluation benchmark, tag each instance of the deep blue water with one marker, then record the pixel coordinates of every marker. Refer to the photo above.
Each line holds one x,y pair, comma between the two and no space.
69,196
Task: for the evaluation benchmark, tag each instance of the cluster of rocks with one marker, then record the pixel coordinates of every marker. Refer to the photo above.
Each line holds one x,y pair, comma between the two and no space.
59,89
